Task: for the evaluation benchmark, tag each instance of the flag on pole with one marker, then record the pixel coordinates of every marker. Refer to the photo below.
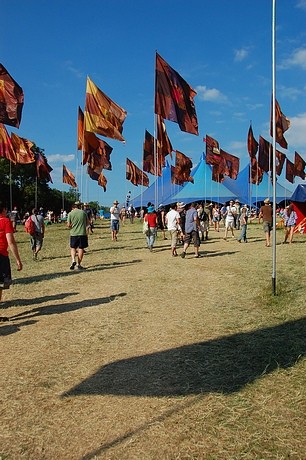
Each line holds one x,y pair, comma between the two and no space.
264,154
163,141
252,143
174,97
256,173
97,151
299,166
6,147
182,169
68,177
229,164
282,123
42,168
98,176
80,129
150,164
289,171
102,115
135,175
22,147
280,160
212,151
11,99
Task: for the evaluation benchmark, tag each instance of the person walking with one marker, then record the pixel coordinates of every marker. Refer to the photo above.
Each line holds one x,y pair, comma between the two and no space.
230,220
192,226
151,219
38,237
173,221
115,216
14,216
290,217
77,222
243,224
266,214
7,242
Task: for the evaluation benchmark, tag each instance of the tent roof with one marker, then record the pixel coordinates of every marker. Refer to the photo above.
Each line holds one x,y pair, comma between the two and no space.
299,193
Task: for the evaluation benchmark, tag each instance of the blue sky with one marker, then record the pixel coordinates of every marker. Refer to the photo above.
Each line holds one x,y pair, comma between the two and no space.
222,48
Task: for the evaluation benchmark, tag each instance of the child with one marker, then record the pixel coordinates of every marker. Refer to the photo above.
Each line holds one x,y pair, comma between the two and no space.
243,222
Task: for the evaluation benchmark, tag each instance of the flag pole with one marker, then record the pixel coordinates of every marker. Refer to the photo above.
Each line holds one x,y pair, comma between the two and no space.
274,149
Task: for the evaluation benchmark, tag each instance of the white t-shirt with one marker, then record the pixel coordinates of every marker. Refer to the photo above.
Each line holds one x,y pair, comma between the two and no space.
231,210
114,212
172,219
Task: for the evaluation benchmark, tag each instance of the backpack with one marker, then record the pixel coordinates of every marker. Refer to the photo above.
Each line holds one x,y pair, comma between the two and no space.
29,226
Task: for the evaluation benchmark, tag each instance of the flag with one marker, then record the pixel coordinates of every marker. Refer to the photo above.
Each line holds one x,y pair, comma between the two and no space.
68,177
282,123
212,151
102,115
215,174
229,166
98,176
174,97
96,150
252,143
264,153
11,99
280,160
80,129
135,175
299,166
256,173
181,172
6,147
22,147
290,171
42,168
151,165
163,141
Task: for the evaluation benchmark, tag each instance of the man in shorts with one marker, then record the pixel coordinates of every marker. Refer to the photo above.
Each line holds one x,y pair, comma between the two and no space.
266,213
230,219
77,222
192,225
115,216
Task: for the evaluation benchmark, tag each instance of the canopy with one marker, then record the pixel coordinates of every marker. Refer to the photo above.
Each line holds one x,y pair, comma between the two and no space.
299,194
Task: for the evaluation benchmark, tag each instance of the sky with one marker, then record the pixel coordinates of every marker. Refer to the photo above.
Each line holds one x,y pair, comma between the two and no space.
222,48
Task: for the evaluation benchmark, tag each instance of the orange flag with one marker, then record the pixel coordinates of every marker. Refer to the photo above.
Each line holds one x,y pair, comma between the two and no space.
181,172
102,115
135,175
11,99
282,123
6,147
68,177
22,147
80,128
42,168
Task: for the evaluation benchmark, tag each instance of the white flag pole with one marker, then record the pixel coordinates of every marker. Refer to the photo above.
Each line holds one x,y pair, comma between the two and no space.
274,151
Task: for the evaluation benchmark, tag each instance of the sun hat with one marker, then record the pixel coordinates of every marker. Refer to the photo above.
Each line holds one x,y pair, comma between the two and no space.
150,209
116,202
267,201
180,204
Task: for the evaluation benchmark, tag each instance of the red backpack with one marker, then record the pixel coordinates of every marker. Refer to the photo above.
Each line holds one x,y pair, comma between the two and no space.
29,226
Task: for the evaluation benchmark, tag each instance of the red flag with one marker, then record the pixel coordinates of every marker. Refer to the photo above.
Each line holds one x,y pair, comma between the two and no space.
264,154
282,123
6,147
299,166
174,97
80,129
181,172
256,172
135,175
42,168
229,166
252,144
98,176
96,152
11,99
289,171
22,147
102,115
280,160
163,141
212,151
149,164
216,175
68,177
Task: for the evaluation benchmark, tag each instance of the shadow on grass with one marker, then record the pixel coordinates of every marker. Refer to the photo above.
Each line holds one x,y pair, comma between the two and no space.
44,299
12,328
223,365
48,276
57,309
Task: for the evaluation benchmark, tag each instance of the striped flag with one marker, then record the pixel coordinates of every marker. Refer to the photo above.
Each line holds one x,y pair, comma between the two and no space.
11,99
68,177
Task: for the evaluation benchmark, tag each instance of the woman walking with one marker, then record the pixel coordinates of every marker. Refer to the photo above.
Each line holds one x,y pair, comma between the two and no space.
151,219
290,217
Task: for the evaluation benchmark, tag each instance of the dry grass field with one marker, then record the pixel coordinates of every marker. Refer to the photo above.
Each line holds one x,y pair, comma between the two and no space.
144,356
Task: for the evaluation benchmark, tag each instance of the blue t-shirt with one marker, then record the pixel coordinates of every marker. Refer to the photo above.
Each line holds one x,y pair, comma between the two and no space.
190,223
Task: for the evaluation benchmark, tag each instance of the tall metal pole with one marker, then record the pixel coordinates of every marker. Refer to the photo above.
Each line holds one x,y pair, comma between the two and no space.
274,155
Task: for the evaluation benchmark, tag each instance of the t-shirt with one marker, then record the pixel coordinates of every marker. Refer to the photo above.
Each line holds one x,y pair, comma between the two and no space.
114,212
38,221
266,212
151,219
190,222
231,210
5,228
172,219
78,219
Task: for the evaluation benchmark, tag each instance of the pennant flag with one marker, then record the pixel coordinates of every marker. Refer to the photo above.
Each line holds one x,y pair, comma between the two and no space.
11,99
98,176
299,166
102,115
282,123
181,172
96,151
42,168
6,147
256,173
135,175
174,97
163,141
22,147
252,144
80,129
289,171
68,177
280,160
212,151
149,165
264,153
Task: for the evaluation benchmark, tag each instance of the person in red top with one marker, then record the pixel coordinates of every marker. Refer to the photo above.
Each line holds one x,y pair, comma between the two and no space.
151,218
7,240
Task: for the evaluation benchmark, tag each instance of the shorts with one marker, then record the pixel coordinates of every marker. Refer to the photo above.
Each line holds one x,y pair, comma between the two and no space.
267,227
115,225
173,237
5,272
194,235
36,241
229,223
80,242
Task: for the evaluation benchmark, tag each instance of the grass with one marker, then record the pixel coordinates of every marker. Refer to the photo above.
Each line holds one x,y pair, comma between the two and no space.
146,356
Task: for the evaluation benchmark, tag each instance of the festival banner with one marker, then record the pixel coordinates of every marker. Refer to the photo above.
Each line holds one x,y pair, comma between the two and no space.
163,141
264,153
181,171
42,168
212,151
282,123
22,147
280,160
6,147
256,173
96,151
289,171
80,129
97,175
68,177
11,99
252,144
299,166
135,174
149,164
